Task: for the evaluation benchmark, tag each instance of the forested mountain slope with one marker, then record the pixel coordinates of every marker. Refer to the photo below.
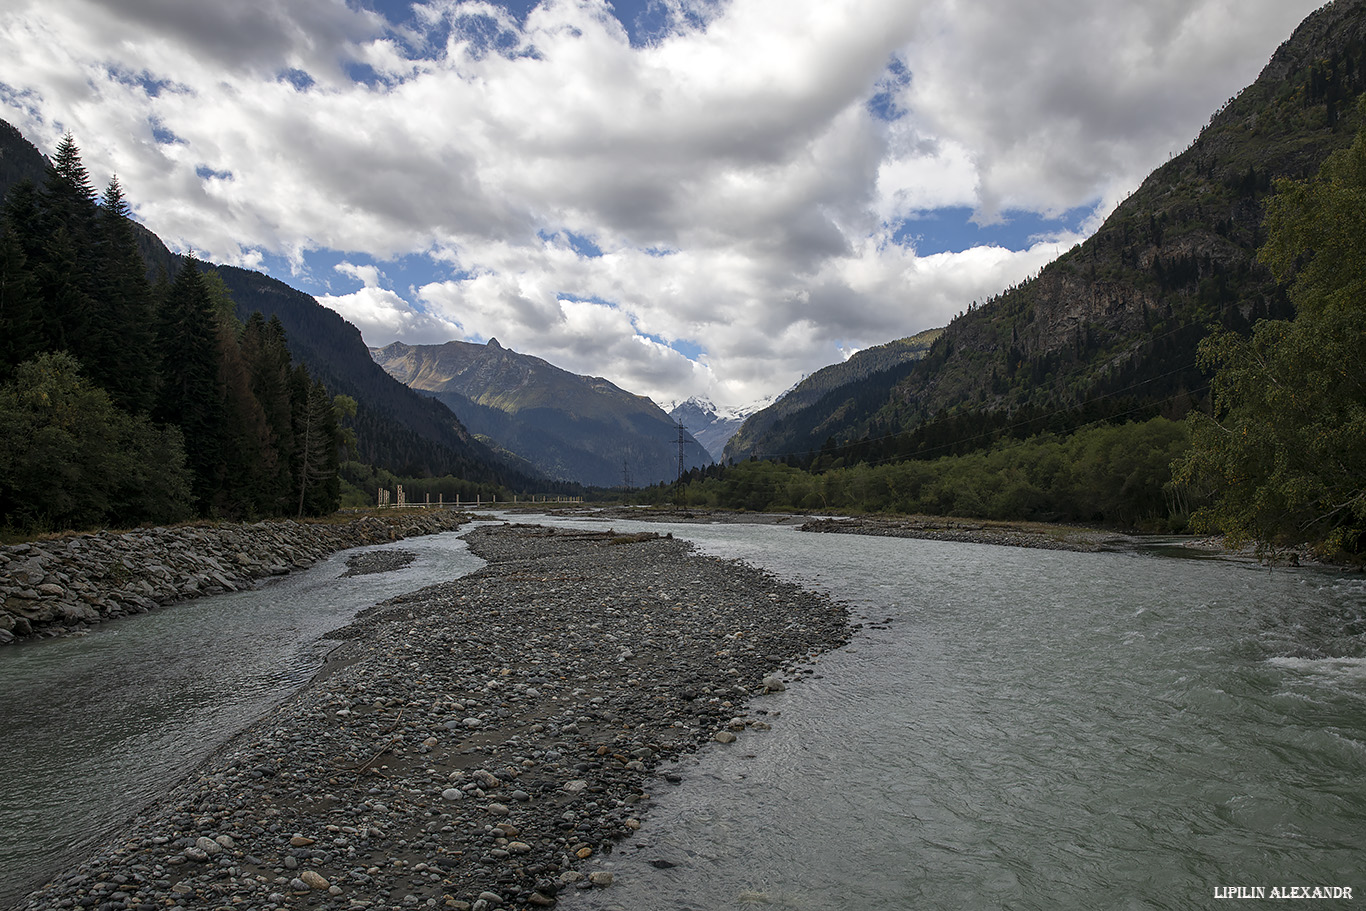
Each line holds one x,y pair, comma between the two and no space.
1110,328
396,428
570,427
802,419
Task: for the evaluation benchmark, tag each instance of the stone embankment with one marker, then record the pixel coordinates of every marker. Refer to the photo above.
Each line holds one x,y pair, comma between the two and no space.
64,585
478,744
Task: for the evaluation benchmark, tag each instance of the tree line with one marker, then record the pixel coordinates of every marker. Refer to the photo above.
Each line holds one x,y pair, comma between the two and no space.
1284,451
1276,456
1117,475
124,401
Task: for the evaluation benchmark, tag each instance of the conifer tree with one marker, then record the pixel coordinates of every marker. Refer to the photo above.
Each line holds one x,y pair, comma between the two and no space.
66,262
267,360
187,348
17,302
316,435
126,359
248,456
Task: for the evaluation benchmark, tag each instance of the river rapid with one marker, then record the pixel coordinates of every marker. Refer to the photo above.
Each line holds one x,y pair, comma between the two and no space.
1008,728
1028,729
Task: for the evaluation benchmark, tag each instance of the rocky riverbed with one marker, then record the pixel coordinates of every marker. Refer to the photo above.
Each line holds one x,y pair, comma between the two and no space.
63,585
479,743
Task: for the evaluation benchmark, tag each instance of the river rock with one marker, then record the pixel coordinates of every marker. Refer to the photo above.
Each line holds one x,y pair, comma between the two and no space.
112,574
528,644
314,880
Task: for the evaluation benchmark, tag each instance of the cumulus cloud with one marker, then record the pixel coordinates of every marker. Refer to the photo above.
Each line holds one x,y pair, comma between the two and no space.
726,180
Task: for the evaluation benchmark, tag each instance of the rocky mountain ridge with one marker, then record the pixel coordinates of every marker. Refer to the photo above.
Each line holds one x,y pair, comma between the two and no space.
1110,328
713,426
571,427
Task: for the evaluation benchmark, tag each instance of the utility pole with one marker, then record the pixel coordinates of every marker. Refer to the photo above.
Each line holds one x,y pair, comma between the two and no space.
682,432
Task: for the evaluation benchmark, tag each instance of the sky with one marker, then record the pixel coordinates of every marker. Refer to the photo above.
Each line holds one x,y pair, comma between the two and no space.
687,197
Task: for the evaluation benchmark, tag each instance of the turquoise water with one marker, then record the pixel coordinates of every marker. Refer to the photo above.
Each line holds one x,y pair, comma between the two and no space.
95,727
1008,729
1027,729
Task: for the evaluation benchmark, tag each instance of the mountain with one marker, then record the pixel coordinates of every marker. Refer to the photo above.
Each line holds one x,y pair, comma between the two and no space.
568,426
711,426
396,428
802,419
20,159
1109,329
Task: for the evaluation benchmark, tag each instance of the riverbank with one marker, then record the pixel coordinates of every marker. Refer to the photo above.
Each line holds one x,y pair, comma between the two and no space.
477,744
1036,535
64,585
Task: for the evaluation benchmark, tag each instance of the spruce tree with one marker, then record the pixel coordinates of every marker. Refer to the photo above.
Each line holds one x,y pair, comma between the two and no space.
267,360
75,320
17,302
126,359
188,354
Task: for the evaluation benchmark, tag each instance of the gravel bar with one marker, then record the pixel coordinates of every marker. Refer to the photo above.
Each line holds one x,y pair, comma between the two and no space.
476,744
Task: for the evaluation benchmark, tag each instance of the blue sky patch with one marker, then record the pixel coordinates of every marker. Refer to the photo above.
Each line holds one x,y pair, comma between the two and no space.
883,104
204,172
162,135
580,244
143,80
952,230
645,21
689,349
297,78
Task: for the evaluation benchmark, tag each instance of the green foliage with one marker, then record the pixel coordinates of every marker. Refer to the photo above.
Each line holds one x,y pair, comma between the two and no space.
1115,475
70,458
73,290
1284,453
187,347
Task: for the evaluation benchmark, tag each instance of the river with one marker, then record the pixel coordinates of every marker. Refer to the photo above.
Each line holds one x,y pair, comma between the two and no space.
1008,728
95,727
1027,729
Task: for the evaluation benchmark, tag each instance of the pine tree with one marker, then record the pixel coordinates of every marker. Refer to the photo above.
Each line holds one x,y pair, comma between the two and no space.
66,264
267,360
315,442
187,348
126,357
248,454
17,302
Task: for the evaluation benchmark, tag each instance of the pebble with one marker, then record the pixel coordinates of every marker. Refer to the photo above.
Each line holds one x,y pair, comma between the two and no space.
63,585
363,811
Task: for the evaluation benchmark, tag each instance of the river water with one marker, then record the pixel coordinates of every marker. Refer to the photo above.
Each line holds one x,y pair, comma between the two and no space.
1031,730
1009,728
93,728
